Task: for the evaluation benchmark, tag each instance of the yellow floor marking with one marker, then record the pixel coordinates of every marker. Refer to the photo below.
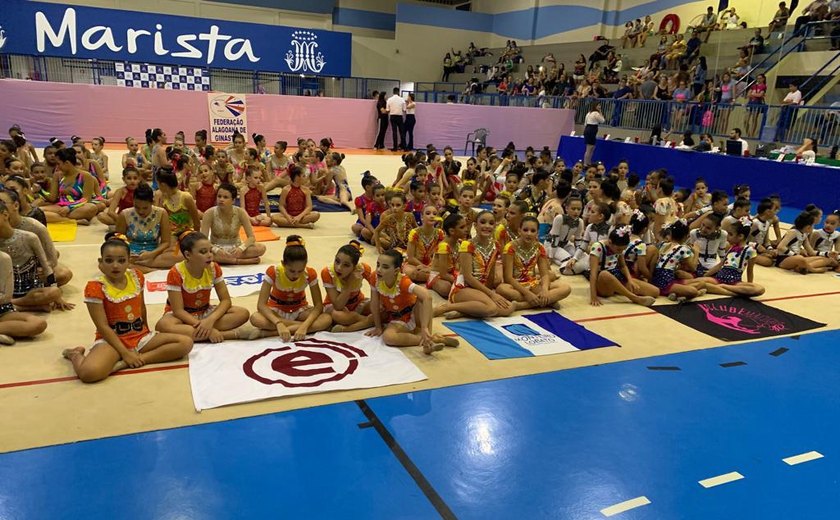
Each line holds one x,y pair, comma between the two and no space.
627,505
721,479
804,457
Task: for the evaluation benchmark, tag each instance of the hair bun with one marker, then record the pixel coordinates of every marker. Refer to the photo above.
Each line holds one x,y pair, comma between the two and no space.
116,236
357,245
295,240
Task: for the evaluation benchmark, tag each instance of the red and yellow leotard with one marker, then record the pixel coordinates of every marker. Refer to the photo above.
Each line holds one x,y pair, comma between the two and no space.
396,302
425,251
526,270
288,295
195,292
123,307
332,281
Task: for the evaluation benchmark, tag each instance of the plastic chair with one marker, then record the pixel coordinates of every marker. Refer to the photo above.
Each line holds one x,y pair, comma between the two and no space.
476,138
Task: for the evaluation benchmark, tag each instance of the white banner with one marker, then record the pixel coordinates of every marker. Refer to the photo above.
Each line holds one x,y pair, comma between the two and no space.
530,336
244,371
228,114
241,280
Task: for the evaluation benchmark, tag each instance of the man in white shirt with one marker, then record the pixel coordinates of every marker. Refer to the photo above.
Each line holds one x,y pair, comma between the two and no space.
735,135
396,109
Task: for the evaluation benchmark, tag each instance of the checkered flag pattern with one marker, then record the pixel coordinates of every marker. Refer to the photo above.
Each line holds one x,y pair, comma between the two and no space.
168,77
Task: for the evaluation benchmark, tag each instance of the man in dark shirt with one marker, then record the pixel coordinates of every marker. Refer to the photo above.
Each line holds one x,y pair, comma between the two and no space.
600,53
624,92
692,48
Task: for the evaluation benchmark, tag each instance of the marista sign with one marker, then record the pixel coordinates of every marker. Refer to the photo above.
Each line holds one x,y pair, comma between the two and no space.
42,29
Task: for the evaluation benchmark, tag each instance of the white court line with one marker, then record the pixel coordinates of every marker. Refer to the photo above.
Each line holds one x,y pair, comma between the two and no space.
803,457
720,479
627,505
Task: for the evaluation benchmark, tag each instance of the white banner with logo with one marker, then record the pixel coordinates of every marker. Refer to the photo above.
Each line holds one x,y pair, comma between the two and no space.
228,114
241,280
244,371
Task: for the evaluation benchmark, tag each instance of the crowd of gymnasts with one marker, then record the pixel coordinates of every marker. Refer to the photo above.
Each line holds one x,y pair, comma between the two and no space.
492,237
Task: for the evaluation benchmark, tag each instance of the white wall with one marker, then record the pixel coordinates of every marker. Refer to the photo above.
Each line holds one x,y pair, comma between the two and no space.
422,47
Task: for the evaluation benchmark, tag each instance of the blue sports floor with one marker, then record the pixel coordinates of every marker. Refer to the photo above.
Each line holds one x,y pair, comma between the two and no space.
565,444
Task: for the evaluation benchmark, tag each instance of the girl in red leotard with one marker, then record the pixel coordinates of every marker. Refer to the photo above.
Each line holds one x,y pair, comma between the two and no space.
296,203
205,192
252,195
123,198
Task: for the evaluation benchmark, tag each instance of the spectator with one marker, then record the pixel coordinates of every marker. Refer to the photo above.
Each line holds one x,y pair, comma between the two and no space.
742,66
756,105
382,115
610,71
788,110
729,19
780,19
834,16
755,45
676,51
598,91
648,86
692,48
647,30
624,92
580,68
705,144
638,27
628,35
815,12
707,24
698,77
550,59
601,53
447,67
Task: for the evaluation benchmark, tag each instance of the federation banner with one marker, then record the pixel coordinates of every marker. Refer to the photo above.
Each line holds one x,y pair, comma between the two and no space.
228,114
529,335
241,280
737,319
244,371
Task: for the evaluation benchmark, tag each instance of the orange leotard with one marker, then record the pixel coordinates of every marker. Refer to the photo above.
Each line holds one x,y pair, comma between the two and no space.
397,302
123,307
481,264
526,270
288,295
331,281
195,292
425,251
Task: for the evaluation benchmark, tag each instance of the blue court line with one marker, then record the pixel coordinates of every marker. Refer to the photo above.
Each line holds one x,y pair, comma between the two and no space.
568,444
313,463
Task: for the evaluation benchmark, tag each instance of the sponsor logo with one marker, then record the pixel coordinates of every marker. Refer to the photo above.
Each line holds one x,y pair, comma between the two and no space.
741,320
307,364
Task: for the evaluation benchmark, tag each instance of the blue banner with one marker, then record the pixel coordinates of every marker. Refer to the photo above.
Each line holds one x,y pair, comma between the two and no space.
41,29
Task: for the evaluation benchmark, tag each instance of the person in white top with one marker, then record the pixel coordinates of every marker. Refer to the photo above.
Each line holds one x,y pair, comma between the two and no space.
786,114
396,109
590,131
735,135
410,121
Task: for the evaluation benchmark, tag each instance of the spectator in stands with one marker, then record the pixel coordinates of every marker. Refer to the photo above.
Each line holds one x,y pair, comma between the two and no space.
705,144
396,111
647,30
580,68
675,52
692,48
549,59
661,49
598,91
815,12
707,24
792,100
834,16
628,35
755,45
447,67
780,19
648,86
729,19
610,71
742,66
756,105
601,53
638,27
698,75
623,92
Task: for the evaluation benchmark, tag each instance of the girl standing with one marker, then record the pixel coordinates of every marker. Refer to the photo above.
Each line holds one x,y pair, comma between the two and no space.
116,307
527,277
345,303
402,310
282,308
609,274
189,283
222,223
146,228
473,292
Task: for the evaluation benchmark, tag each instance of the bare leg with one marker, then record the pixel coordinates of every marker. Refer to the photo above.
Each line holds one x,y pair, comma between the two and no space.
608,285
473,303
38,300
587,156
348,321
62,275
21,325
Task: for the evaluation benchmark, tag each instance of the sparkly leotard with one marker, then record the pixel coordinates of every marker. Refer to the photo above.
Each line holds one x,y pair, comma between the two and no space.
143,233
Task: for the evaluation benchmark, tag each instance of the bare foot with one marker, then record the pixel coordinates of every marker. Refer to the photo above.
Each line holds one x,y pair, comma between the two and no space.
83,222
446,341
6,340
338,329
70,353
430,349
647,301
440,310
453,315
119,365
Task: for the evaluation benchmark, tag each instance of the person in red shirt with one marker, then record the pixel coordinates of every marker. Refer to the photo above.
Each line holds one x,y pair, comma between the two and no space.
401,309
123,198
189,283
115,303
343,280
282,307
296,204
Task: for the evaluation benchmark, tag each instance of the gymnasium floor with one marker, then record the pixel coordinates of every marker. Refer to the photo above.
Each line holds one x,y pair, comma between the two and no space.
478,438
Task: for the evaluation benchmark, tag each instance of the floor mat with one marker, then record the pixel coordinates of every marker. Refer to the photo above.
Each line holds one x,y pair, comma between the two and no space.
261,233
62,231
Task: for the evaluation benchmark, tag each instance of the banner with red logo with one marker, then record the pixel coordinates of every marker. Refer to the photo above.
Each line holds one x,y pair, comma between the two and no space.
245,371
241,280
228,115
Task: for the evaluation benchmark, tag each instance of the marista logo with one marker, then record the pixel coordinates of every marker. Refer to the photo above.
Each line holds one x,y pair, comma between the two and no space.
202,46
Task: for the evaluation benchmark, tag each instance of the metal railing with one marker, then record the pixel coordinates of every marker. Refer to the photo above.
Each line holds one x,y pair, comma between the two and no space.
97,72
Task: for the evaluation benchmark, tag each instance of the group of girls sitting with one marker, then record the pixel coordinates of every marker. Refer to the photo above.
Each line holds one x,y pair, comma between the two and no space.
398,310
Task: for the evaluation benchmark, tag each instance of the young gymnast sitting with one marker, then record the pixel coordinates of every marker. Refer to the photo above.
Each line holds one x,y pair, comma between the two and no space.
401,309
794,251
147,229
72,190
727,276
527,276
115,303
282,308
188,310
345,303
296,203
222,223
13,324
609,275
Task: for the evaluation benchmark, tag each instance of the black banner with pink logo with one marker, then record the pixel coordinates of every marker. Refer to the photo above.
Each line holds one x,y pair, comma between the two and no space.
737,319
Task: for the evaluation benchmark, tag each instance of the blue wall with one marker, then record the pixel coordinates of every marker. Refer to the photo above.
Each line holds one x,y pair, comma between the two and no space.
365,19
